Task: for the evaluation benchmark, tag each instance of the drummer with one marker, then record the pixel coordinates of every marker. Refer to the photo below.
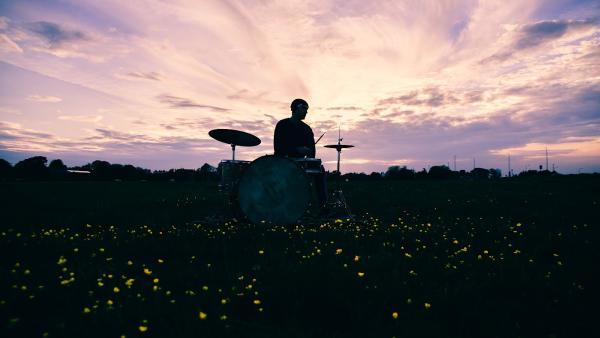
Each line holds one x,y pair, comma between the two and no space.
294,138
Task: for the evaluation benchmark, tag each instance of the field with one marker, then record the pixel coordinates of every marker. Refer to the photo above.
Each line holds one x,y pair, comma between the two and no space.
457,258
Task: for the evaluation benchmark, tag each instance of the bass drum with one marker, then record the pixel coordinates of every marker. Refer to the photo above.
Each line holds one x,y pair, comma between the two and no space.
274,189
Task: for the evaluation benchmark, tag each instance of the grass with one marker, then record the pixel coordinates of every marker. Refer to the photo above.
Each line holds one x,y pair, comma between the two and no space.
422,258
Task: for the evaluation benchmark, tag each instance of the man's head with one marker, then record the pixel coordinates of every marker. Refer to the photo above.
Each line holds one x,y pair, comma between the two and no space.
299,109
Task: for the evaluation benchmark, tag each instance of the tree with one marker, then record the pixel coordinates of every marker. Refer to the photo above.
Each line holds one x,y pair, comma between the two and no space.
440,171
6,169
397,172
33,167
495,173
100,169
480,173
57,165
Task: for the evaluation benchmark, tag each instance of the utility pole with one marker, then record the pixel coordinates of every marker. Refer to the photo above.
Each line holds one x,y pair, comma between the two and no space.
509,175
546,158
454,162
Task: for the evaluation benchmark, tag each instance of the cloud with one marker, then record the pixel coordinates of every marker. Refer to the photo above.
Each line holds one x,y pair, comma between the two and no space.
44,98
352,108
142,75
56,36
81,118
428,97
9,110
9,45
180,102
4,22
535,34
532,35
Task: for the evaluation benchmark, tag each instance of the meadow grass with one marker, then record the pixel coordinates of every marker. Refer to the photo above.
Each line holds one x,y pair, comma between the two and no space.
452,258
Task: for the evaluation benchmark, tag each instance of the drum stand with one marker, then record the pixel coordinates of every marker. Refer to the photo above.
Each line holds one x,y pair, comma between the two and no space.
338,199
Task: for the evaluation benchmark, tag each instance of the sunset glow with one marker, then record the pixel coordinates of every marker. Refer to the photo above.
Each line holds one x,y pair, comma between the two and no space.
410,83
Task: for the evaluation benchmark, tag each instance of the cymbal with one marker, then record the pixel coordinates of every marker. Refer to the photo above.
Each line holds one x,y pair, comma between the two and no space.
235,137
338,146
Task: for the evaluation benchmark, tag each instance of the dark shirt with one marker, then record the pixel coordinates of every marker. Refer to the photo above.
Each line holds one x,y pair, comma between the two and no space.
290,134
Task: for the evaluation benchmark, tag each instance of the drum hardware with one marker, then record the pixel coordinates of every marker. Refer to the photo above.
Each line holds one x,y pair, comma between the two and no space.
231,170
338,199
274,189
234,138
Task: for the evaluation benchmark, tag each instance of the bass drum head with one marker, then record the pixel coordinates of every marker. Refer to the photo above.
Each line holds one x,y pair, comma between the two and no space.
274,189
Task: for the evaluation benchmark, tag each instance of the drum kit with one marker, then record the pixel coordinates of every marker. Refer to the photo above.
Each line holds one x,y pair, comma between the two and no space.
271,188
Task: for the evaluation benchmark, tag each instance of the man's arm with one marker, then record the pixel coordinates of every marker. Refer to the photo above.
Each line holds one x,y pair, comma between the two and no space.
311,145
280,143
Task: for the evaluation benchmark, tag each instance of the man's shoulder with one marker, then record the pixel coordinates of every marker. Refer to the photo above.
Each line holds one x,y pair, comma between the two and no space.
306,126
284,122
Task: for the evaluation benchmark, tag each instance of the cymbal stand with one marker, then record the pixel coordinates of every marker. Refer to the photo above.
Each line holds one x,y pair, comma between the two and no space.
338,195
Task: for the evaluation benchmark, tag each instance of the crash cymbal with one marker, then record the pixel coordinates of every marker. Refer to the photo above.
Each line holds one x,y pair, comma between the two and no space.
234,137
338,146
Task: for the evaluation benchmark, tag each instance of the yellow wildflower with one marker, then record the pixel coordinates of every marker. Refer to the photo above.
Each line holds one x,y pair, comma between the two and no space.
116,289
427,306
395,315
147,271
202,315
143,328
361,274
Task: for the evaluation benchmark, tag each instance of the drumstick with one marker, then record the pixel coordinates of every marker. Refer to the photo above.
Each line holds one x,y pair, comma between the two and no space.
319,138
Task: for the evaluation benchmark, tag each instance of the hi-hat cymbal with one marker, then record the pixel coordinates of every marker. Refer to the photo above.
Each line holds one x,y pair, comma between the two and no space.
235,137
338,146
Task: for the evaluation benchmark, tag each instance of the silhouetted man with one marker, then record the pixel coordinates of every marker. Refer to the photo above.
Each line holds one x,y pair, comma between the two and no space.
293,137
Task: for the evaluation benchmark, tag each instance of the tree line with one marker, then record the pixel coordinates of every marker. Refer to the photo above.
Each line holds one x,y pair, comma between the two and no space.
38,168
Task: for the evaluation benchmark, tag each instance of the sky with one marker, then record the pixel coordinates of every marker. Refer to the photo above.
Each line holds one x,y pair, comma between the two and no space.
412,83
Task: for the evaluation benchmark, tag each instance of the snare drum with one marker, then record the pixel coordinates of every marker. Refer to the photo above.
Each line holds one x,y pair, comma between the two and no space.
231,171
275,189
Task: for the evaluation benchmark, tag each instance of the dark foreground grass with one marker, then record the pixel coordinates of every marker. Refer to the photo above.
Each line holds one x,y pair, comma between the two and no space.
422,259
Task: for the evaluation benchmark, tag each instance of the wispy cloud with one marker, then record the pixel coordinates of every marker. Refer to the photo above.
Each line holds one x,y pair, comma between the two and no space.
81,118
154,76
55,35
180,102
44,98
9,45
